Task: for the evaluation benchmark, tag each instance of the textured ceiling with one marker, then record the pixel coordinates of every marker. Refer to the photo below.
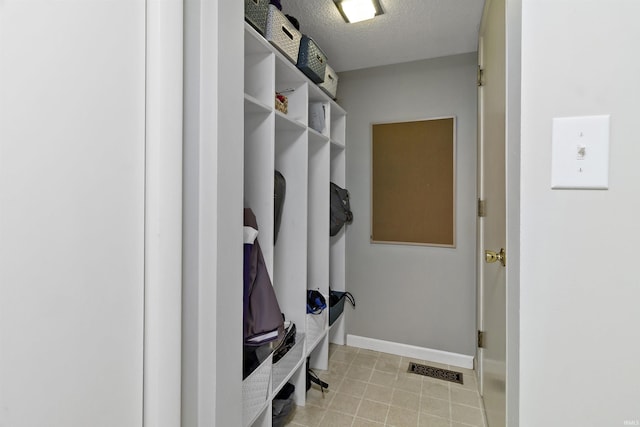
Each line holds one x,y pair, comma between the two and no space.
408,30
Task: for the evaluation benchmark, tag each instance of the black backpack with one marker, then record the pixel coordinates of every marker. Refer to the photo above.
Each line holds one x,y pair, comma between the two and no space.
279,192
340,209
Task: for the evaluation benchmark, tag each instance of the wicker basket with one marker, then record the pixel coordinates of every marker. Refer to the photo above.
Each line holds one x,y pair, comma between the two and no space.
255,13
282,106
255,391
316,328
282,34
330,84
311,60
284,367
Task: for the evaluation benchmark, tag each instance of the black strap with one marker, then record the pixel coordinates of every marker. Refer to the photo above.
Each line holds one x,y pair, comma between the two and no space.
350,298
346,295
316,379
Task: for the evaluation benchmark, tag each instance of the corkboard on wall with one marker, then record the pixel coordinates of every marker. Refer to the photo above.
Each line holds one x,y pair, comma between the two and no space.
413,182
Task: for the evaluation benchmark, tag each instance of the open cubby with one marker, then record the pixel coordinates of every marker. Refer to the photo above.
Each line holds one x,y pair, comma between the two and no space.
290,263
304,256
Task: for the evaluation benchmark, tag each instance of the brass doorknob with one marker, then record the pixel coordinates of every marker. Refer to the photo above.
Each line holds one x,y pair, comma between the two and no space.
491,256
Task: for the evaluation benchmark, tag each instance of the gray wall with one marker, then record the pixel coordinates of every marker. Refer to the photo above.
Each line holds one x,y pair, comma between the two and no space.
416,295
579,286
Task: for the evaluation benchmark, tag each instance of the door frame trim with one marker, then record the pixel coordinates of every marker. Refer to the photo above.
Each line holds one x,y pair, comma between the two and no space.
479,230
513,38
162,369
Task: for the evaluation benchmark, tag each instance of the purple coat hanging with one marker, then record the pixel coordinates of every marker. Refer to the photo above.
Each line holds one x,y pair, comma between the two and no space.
263,320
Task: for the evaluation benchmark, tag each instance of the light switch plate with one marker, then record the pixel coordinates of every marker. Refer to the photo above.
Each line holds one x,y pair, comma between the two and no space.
580,153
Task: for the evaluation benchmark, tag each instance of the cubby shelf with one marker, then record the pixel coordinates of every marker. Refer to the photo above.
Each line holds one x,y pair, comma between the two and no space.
254,106
304,256
286,123
317,137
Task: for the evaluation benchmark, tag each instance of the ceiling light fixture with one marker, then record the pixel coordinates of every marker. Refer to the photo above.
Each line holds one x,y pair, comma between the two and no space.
358,10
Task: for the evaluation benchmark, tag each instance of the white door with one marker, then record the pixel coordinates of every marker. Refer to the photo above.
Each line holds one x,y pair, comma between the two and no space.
492,226
72,183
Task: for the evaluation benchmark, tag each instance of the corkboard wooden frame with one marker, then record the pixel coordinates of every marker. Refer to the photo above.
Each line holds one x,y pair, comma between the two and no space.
413,182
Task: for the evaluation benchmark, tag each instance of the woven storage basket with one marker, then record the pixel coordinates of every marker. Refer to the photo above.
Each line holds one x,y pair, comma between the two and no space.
316,327
282,106
311,60
255,13
255,391
282,34
285,366
330,84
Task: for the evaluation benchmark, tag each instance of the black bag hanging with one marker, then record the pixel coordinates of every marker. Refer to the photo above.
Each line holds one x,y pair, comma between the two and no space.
279,192
340,209
315,302
336,296
336,304
312,377
287,343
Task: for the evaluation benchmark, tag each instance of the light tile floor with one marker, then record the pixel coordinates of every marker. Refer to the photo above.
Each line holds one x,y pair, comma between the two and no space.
367,388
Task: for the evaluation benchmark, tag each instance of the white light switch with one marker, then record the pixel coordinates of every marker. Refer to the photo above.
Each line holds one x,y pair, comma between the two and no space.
580,152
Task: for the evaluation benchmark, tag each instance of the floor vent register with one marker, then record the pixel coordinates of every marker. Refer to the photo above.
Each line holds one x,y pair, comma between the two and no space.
439,373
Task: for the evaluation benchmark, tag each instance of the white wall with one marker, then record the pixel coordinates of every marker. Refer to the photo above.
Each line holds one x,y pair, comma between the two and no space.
580,292
212,239
416,295
72,193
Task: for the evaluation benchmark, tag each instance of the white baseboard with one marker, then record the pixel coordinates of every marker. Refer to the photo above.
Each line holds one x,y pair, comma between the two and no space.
422,353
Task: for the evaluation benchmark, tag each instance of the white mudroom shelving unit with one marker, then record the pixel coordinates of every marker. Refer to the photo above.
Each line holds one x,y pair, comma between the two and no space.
304,256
